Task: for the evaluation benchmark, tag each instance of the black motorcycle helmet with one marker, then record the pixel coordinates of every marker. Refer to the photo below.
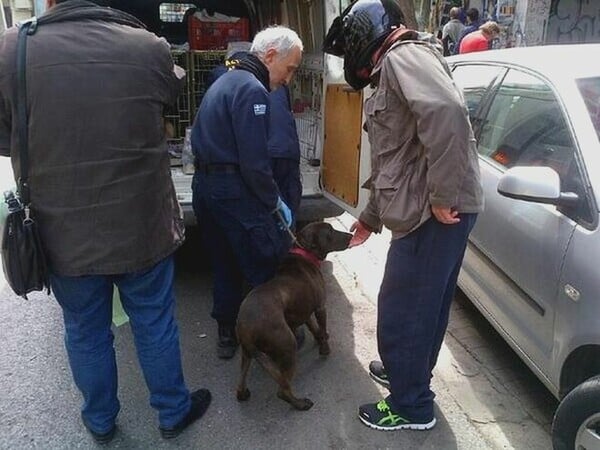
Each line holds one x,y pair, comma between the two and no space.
358,32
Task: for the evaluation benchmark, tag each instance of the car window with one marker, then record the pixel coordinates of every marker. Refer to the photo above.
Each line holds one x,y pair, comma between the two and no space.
474,80
590,91
526,126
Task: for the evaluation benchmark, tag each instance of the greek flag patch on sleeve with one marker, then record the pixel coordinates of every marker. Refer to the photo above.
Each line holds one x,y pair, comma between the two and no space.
260,109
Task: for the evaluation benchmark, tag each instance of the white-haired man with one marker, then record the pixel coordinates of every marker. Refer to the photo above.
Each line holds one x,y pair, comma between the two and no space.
235,197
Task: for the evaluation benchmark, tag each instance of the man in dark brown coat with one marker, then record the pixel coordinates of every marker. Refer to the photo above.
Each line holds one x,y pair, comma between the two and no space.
97,83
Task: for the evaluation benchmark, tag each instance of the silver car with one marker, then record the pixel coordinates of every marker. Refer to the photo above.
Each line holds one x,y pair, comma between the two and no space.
532,265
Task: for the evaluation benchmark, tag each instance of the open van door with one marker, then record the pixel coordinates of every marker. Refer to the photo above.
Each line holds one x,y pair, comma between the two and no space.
328,112
346,163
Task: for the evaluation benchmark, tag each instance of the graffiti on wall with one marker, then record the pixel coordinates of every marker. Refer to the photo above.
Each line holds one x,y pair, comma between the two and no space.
537,14
573,21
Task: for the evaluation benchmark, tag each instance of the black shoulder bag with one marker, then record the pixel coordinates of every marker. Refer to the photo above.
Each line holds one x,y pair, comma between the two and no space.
23,258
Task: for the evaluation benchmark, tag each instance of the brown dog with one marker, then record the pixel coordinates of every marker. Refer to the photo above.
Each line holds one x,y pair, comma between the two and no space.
271,312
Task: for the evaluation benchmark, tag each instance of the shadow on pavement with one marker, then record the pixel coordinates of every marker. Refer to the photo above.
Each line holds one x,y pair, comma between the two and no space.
40,404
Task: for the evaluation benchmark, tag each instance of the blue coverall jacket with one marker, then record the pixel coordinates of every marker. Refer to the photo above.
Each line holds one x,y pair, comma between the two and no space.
284,148
283,143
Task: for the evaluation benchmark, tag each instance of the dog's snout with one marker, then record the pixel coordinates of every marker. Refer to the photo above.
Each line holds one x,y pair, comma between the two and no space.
342,240
321,238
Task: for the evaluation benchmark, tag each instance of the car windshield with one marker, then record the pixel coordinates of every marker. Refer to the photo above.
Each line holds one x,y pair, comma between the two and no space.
590,91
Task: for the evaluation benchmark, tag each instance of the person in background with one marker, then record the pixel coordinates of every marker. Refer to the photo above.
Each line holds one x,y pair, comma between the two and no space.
473,24
481,39
452,31
235,197
104,198
423,152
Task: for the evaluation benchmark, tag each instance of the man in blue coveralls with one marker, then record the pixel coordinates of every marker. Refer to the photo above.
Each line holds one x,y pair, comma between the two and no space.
236,200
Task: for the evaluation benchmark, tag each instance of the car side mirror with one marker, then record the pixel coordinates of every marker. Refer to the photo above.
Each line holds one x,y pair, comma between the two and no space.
535,184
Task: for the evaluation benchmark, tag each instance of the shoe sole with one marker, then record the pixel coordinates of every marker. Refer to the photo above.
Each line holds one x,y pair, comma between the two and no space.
385,383
103,439
404,426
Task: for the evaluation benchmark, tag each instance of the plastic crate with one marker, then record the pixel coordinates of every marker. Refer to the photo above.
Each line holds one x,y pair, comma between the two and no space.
216,35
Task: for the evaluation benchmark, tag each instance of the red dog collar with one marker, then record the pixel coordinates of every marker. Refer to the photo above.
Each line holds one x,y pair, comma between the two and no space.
306,255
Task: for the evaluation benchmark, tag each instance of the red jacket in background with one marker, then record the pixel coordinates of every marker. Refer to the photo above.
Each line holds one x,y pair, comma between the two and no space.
474,42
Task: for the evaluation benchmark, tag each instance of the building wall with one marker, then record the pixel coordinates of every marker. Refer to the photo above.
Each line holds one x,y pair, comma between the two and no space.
524,21
537,20
573,21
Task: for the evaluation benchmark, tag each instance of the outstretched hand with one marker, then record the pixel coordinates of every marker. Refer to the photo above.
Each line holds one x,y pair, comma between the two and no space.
361,234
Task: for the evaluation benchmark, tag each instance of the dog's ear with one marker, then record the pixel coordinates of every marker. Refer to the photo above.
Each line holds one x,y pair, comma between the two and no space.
306,236
314,238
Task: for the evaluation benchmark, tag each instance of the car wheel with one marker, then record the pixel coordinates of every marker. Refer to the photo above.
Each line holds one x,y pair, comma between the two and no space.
577,420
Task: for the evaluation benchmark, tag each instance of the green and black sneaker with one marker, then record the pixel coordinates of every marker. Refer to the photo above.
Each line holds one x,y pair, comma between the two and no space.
381,417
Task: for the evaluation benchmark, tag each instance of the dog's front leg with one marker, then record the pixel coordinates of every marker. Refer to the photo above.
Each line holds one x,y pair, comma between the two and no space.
319,330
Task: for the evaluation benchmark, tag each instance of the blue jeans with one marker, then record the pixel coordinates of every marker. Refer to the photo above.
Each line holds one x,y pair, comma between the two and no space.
148,299
413,308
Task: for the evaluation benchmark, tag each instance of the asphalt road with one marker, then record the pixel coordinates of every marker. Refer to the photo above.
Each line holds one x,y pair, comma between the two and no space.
486,398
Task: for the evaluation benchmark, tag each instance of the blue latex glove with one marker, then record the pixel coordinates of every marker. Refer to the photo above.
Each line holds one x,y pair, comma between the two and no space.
284,212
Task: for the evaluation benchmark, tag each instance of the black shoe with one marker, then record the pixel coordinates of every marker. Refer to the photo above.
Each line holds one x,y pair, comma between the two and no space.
380,416
377,372
101,438
227,343
300,337
200,402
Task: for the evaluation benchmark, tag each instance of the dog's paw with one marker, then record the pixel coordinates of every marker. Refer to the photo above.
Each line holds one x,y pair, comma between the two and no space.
324,349
303,404
244,395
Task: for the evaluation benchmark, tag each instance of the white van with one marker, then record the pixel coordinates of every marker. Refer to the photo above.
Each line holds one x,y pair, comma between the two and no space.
328,112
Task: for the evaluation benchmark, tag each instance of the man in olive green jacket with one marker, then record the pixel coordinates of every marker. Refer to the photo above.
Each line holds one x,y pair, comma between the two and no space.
424,187
101,191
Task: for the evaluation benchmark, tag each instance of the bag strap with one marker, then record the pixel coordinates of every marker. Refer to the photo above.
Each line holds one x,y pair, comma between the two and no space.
27,27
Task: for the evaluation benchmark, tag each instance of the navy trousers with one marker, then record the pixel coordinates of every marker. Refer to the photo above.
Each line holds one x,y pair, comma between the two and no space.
413,307
242,238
